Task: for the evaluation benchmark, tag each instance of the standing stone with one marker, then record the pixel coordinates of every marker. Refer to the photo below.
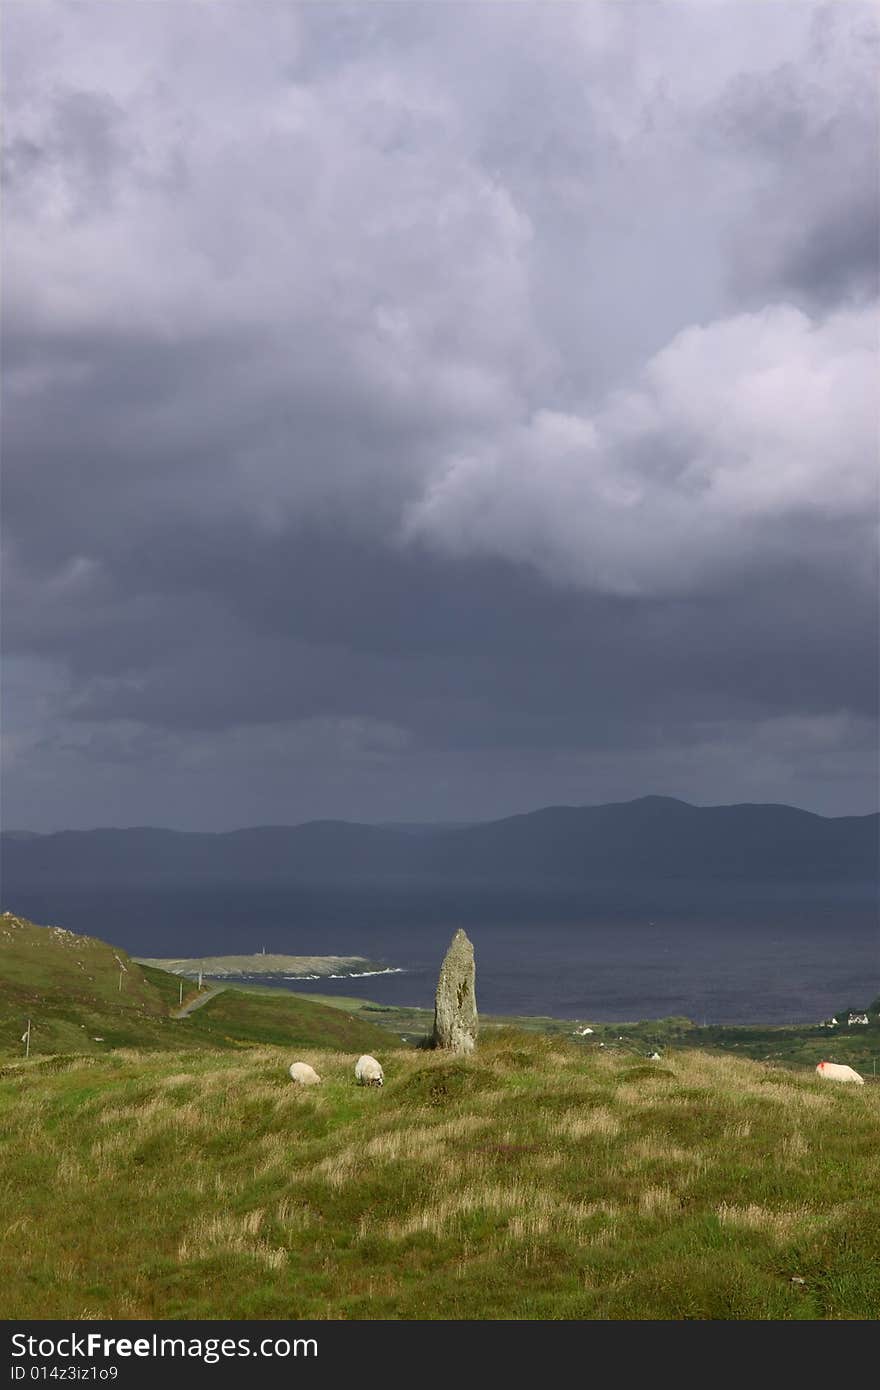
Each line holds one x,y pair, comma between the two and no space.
455,1005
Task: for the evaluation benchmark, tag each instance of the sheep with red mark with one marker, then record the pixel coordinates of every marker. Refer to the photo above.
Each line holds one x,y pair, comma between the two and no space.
835,1071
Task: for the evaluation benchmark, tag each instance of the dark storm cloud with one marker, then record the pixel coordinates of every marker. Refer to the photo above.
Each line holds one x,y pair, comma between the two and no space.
411,417
198,628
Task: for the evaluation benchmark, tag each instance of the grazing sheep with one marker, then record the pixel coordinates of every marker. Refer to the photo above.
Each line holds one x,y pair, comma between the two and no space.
368,1072
833,1071
303,1074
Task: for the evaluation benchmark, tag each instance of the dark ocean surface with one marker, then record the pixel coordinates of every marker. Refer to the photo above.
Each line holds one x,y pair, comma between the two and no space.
737,955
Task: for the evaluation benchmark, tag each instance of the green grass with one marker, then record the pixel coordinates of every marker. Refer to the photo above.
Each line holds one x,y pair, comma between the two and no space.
283,1019
802,1046
534,1180
167,986
68,986
174,1171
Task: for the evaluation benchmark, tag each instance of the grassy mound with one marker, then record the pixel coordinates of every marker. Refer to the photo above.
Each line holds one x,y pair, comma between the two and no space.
646,1073
204,1184
444,1083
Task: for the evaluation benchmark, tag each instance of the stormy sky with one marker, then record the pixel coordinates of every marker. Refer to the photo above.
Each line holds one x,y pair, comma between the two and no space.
436,411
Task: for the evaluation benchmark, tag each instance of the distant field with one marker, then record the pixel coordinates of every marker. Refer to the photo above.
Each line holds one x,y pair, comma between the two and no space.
535,1180
221,967
799,1046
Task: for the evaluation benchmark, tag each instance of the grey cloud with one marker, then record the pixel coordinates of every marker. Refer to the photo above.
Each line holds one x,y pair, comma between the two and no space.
810,229
764,428
474,403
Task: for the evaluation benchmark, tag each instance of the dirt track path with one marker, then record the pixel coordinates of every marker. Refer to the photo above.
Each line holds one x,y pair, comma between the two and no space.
199,1000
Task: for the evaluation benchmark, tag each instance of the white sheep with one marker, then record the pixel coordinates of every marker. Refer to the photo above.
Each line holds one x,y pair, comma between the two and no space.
833,1071
368,1071
303,1074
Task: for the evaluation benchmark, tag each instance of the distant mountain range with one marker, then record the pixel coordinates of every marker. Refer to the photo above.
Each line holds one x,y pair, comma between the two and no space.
557,848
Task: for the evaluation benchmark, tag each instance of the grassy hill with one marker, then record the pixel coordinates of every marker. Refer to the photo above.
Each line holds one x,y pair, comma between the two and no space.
284,1020
68,985
535,1180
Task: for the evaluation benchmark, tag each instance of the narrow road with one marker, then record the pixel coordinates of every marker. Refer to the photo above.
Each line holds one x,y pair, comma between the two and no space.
199,1000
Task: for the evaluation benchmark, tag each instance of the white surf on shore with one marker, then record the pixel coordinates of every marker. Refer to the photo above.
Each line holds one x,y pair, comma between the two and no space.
350,974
